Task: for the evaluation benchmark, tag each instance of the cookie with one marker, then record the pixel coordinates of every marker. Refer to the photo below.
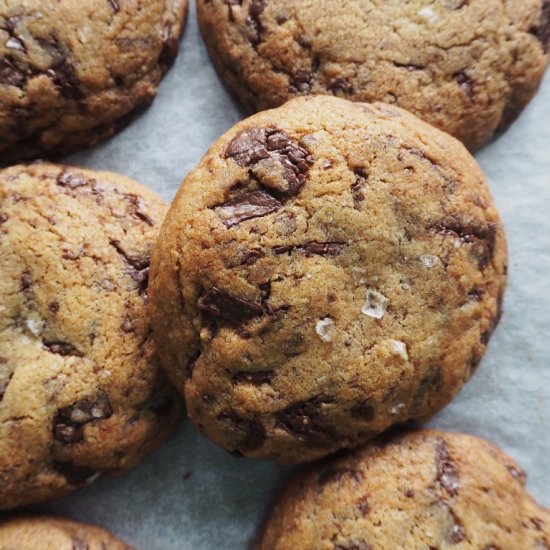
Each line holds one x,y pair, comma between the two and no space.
80,393
73,73
421,490
48,533
468,67
328,270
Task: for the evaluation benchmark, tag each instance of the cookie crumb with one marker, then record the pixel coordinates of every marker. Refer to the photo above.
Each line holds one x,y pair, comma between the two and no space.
376,304
325,329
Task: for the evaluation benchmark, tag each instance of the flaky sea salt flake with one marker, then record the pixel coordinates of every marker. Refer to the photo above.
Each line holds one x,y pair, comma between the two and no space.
325,329
376,304
429,261
428,14
399,348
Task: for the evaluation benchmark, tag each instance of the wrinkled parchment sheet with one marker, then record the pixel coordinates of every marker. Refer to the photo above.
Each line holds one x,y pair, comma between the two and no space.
192,495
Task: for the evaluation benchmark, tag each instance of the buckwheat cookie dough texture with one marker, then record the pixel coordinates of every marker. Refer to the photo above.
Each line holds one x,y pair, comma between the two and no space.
73,72
48,533
329,269
466,66
421,490
79,393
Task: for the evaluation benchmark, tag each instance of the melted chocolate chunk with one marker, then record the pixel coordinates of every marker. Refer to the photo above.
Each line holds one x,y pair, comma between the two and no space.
542,30
464,80
10,74
252,430
26,281
253,204
3,218
69,421
304,421
275,159
72,180
341,87
65,79
170,47
354,545
4,380
301,82
138,267
253,21
222,305
334,476
257,378
53,307
481,237
250,257
75,475
62,348
310,249
137,208
114,5
447,473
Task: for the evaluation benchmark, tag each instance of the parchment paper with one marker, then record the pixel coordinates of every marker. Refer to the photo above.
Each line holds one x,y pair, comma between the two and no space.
222,501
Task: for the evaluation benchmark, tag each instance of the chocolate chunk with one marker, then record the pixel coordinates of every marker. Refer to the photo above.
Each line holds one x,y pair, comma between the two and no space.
253,204
229,308
26,281
137,208
465,82
75,475
363,410
364,506
3,218
310,249
170,47
252,430
274,158
542,30
303,420
518,474
62,348
114,5
481,237
10,74
138,266
255,377
334,476
72,180
250,257
69,421
354,545
357,189
447,473
538,523
4,381
301,82
341,87
65,79
253,21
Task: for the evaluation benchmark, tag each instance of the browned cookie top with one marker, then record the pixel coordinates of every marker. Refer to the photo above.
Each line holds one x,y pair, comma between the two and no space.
48,533
329,269
424,490
72,71
79,393
466,66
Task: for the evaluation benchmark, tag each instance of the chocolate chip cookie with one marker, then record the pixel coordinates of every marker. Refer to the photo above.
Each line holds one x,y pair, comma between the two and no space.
422,490
74,72
466,66
328,270
80,394
48,533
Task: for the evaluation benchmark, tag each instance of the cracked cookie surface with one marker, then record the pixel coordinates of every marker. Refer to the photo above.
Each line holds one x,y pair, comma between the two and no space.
328,270
423,490
466,66
49,533
74,72
80,394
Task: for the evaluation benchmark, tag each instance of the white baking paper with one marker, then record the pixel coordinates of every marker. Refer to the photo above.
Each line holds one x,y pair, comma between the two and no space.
192,495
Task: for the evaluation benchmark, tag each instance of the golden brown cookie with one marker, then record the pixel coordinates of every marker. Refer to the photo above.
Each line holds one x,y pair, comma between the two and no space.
468,67
423,490
328,270
48,533
74,72
79,393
